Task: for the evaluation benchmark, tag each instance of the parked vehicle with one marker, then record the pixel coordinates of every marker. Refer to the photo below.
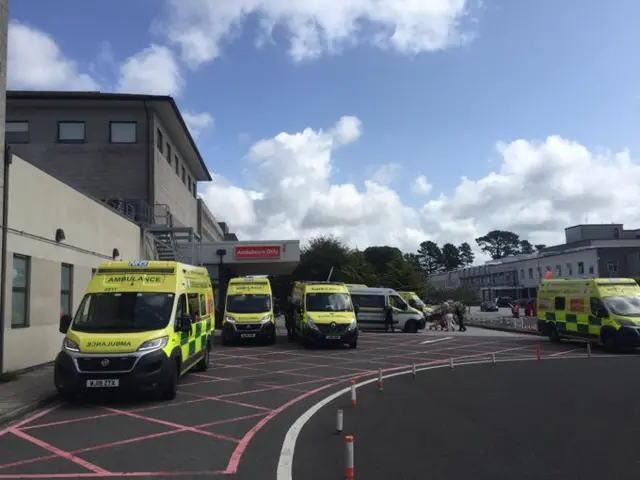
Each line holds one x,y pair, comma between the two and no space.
489,306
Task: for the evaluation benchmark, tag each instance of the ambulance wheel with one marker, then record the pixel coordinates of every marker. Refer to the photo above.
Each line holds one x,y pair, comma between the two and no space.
171,389
353,344
225,341
203,365
609,342
272,339
65,394
552,333
411,327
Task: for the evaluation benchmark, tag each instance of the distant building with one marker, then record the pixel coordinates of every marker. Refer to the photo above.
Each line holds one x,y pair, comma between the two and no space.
589,251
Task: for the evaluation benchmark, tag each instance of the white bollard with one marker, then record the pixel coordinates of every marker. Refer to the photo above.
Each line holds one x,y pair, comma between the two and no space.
588,350
339,421
493,358
379,379
353,393
451,362
413,370
349,467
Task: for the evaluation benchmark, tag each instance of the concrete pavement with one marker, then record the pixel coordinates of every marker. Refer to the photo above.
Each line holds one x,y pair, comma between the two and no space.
524,420
230,420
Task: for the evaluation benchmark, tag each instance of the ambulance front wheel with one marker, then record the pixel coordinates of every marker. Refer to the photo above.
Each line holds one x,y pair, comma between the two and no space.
171,389
203,364
552,333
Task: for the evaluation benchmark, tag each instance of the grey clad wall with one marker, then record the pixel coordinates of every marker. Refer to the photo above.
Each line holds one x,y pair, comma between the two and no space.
97,167
38,206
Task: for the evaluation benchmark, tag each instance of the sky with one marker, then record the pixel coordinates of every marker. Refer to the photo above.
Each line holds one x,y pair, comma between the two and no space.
384,122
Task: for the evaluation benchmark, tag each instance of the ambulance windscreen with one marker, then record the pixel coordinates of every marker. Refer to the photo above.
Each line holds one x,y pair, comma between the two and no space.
250,303
625,306
124,312
328,302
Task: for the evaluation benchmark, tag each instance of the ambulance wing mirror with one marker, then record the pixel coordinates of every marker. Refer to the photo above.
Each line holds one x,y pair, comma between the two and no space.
65,323
183,323
356,308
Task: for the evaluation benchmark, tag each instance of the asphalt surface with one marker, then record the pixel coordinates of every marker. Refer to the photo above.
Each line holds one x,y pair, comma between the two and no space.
232,419
568,418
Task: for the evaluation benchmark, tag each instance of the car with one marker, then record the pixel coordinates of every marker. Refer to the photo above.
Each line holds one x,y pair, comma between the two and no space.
489,306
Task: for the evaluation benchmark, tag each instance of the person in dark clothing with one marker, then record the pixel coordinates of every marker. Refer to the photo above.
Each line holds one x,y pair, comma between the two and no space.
388,319
460,311
289,319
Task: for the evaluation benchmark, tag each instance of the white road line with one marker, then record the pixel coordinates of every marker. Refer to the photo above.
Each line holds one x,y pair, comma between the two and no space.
436,340
558,354
285,462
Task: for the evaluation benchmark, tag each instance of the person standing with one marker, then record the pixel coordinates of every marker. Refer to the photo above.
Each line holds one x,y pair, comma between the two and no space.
388,319
460,311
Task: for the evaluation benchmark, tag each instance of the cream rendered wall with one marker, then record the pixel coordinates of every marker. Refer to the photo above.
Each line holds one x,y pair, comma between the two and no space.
38,205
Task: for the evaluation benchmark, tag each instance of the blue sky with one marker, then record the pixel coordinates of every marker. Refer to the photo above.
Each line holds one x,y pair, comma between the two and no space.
534,69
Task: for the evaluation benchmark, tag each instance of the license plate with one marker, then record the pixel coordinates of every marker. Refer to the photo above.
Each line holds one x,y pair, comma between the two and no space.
333,337
248,335
103,383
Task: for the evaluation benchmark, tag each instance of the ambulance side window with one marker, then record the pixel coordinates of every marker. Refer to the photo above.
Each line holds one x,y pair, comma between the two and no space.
560,303
194,306
181,309
203,305
597,308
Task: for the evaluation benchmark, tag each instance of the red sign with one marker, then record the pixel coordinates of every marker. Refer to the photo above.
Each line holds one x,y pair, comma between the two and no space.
258,251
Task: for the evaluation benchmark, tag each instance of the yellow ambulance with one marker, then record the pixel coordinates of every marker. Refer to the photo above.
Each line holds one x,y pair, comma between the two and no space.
140,327
324,313
603,310
249,311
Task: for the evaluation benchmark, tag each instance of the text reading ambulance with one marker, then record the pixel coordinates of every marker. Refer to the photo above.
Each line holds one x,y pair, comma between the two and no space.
141,326
249,310
604,310
324,313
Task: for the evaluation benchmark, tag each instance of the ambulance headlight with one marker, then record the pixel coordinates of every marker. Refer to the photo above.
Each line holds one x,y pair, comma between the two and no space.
155,344
70,345
230,319
265,320
310,324
353,325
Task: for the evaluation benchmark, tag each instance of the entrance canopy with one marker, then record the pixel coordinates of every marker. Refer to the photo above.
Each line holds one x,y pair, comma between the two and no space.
278,257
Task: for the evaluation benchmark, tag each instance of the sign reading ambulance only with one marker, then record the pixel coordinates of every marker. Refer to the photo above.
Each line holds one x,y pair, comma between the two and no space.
257,252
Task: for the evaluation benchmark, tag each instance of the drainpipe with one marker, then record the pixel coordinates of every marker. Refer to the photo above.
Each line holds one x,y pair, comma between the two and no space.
151,167
3,250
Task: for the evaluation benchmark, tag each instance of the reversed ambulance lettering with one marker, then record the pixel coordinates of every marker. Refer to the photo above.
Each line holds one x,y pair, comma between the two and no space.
134,279
118,343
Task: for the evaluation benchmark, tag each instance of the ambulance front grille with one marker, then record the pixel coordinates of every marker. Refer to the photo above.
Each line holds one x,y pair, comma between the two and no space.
106,364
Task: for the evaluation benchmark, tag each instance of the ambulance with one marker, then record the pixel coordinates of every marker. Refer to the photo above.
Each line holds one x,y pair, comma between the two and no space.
324,313
141,326
249,311
605,310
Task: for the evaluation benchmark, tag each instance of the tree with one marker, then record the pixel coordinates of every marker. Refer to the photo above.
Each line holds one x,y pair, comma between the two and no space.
380,256
526,247
358,270
319,255
414,260
430,257
499,243
450,257
466,254
540,246
402,277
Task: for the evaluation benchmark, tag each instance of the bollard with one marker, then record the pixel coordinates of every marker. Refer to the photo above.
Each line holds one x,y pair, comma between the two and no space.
349,467
339,421
451,362
353,393
493,358
413,370
588,350
379,379
538,352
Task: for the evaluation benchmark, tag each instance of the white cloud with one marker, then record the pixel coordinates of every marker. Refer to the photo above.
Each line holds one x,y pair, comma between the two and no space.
539,189
197,122
35,61
386,174
152,71
314,27
421,185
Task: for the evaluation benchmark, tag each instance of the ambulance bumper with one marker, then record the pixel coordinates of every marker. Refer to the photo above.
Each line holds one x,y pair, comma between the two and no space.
325,335
248,331
77,373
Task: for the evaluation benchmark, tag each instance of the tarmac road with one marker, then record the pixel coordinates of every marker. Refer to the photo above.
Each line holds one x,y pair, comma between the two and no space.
232,419
559,419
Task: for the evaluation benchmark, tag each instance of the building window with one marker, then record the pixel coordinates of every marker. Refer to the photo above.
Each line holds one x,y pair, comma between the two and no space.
159,141
522,273
569,269
559,270
168,153
612,267
17,132
177,165
123,132
66,286
194,190
184,175
530,273
189,183
580,268
20,291
72,132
